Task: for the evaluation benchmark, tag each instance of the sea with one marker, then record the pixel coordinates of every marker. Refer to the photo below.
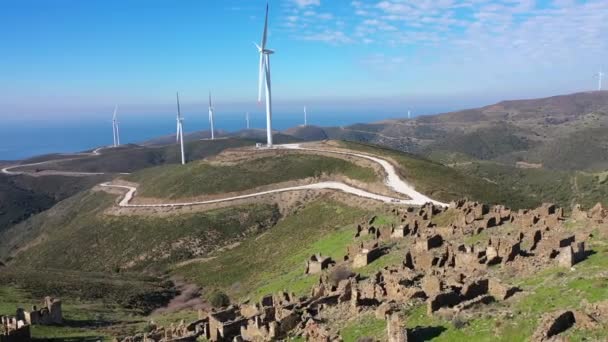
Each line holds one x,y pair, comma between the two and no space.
20,140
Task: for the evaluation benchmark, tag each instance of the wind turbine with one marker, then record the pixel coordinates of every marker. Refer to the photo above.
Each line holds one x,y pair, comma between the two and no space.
115,131
247,119
409,114
264,74
305,117
600,74
211,118
180,130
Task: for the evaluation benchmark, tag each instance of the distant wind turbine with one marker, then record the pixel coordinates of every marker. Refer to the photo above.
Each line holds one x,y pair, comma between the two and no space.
211,118
115,130
409,114
600,74
180,130
305,117
247,119
264,74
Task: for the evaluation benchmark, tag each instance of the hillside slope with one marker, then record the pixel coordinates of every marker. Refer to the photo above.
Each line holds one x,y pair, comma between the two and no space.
24,195
561,132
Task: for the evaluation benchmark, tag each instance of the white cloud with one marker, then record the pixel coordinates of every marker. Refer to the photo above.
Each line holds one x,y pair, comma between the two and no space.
306,3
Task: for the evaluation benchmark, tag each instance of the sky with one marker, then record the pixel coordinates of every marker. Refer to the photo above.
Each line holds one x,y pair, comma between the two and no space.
75,58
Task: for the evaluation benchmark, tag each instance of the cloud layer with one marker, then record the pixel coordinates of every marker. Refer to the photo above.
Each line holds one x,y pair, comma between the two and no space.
503,32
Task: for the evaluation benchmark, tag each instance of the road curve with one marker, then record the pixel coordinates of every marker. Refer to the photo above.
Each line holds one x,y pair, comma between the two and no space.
392,180
95,152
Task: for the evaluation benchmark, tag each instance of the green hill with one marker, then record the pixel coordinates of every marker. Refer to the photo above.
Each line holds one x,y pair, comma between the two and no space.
204,178
23,195
444,183
77,235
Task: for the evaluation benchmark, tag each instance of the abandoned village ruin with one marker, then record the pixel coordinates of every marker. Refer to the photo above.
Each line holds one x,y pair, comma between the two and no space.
454,268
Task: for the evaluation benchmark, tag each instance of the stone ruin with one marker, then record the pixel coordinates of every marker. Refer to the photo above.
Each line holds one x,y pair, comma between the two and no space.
440,268
317,263
13,329
49,314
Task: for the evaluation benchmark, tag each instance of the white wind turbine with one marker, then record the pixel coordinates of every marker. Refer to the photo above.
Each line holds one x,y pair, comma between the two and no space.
211,110
305,117
180,130
409,114
600,74
115,131
264,74
247,119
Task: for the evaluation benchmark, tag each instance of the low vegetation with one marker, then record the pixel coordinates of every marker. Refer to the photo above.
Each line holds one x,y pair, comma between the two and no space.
275,260
203,178
564,188
79,237
442,182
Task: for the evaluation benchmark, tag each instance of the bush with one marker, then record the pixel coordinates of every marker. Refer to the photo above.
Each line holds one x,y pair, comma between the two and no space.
219,299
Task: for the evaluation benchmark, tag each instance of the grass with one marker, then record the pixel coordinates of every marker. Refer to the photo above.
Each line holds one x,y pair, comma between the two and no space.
441,182
134,292
85,239
364,326
202,178
275,261
83,319
564,188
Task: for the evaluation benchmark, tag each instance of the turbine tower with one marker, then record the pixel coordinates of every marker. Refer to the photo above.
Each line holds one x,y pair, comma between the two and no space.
115,131
600,74
247,119
305,117
264,74
211,118
409,114
180,130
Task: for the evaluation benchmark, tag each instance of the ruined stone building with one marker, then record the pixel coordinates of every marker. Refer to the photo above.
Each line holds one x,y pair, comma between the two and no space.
14,330
49,314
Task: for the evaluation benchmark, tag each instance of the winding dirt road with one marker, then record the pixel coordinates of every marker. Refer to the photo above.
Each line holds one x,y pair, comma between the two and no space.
95,152
392,180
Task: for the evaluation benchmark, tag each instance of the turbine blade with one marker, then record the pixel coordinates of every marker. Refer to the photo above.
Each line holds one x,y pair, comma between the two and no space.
264,35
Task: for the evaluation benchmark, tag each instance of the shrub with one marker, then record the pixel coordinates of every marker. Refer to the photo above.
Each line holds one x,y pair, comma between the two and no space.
219,299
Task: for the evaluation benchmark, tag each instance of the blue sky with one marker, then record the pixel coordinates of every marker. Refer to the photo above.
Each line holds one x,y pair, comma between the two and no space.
66,57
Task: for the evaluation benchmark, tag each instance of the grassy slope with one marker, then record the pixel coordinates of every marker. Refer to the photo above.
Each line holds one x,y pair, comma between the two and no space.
485,143
78,236
175,181
275,260
444,183
541,185
23,196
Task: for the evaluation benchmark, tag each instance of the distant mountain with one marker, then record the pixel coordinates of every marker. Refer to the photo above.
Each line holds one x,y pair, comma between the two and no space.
568,132
307,133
